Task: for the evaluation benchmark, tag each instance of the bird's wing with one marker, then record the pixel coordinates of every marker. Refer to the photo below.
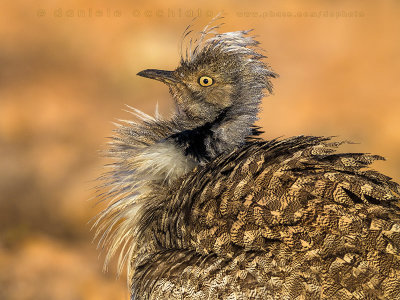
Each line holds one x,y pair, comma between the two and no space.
319,220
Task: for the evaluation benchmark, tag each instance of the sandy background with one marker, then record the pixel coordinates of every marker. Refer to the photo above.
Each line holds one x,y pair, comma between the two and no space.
67,68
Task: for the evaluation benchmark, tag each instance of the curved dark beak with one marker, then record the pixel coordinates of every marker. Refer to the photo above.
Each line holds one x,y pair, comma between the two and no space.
163,76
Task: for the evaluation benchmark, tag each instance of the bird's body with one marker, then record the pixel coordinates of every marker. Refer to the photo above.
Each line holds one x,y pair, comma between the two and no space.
203,209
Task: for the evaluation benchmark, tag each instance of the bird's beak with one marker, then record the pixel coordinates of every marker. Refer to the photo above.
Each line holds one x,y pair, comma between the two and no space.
163,76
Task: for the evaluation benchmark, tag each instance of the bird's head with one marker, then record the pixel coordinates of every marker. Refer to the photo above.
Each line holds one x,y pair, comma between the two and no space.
221,74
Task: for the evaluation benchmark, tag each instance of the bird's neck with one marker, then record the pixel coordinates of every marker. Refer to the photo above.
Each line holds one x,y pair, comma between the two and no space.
206,140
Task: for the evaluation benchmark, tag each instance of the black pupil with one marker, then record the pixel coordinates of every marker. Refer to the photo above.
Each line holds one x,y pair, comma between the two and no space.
205,80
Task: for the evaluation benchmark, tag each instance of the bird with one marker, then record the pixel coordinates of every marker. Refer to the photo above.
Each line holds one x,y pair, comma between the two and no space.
202,207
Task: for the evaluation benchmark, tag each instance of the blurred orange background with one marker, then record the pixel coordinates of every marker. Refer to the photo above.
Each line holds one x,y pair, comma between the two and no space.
68,68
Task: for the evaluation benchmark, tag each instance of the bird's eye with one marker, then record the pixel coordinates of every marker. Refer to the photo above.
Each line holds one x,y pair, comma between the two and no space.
205,81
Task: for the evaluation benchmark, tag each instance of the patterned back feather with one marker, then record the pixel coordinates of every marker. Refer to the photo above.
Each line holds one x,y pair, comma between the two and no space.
285,219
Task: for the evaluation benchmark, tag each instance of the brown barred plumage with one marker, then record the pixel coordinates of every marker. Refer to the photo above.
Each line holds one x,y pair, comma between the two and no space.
286,219
202,212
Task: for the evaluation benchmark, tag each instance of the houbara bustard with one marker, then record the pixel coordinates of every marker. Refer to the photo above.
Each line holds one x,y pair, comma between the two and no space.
202,208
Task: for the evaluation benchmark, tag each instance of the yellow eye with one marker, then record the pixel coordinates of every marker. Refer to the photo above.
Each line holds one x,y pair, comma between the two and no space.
205,81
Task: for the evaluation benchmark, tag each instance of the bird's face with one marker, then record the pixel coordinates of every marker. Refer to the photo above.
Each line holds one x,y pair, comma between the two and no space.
200,90
223,74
